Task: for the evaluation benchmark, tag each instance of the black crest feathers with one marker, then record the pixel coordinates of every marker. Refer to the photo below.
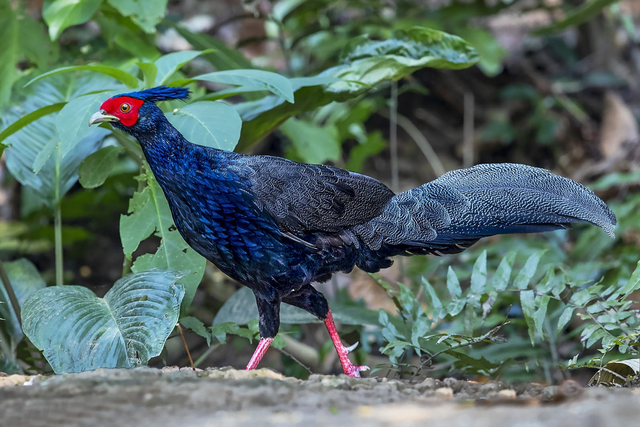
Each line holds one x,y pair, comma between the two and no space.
159,93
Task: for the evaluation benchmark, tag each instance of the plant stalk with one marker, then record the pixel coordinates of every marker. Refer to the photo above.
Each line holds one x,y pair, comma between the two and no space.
58,245
12,295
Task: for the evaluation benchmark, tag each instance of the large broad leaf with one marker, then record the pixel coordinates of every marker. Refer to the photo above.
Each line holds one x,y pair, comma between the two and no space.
10,42
315,144
72,123
25,280
366,64
146,13
223,57
77,331
212,124
118,74
252,80
167,65
34,154
241,309
148,213
60,14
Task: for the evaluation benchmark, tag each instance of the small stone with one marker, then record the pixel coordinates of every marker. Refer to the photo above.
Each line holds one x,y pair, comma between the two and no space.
444,393
507,394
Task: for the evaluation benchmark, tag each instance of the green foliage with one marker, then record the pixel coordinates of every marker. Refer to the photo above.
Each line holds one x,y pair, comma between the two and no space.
366,63
60,14
543,303
25,280
149,213
95,169
77,331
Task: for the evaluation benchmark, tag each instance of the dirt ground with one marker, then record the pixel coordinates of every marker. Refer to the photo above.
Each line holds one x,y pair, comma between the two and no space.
227,397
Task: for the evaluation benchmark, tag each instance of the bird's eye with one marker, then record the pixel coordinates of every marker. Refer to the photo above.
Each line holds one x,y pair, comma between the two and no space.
125,108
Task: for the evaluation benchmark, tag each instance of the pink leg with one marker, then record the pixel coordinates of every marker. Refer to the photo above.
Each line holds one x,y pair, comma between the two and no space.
343,352
263,345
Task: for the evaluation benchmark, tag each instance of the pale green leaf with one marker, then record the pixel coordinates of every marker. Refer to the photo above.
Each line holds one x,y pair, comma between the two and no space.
60,14
196,326
212,124
453,284
565,317
256,79
72,121
542,302
434,301
77,331
503,273
479,274
527,301
95,169
313,143
25,280
146,13
168,64
118,74
366,64
528,271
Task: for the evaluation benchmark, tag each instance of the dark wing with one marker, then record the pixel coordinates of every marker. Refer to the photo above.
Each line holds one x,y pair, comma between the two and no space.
303,198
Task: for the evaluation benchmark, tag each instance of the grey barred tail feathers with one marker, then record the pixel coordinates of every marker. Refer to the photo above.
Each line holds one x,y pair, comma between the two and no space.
465,205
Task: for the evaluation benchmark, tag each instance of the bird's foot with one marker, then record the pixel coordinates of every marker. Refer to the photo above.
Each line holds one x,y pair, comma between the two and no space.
343,352
352,370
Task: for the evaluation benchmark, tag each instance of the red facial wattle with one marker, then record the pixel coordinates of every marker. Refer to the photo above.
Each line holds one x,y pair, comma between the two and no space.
124,108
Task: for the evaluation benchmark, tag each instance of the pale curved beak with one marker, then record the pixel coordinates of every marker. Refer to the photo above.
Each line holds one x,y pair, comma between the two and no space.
102,116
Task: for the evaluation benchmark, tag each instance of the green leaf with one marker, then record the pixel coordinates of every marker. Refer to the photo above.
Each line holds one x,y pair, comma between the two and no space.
419,329
95,169
212,124
633,284
173,253
565,317
313,143
222,58
72,122
196,326
456,306
542,302
576,16
30,118
77,331
366,64
60,14
503,273
479,274
528,271
453,284
167,65
9,54
434,301
149,73
25,280
527,300
36,145
118,74
253,79
146,13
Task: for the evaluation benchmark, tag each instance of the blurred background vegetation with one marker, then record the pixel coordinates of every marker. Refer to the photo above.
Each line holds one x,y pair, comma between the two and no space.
557,86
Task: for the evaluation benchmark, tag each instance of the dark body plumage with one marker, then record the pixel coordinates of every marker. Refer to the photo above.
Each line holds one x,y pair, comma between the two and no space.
276,226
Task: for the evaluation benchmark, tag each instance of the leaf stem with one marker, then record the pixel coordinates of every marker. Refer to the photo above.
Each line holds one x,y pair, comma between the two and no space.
58,245
12,295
